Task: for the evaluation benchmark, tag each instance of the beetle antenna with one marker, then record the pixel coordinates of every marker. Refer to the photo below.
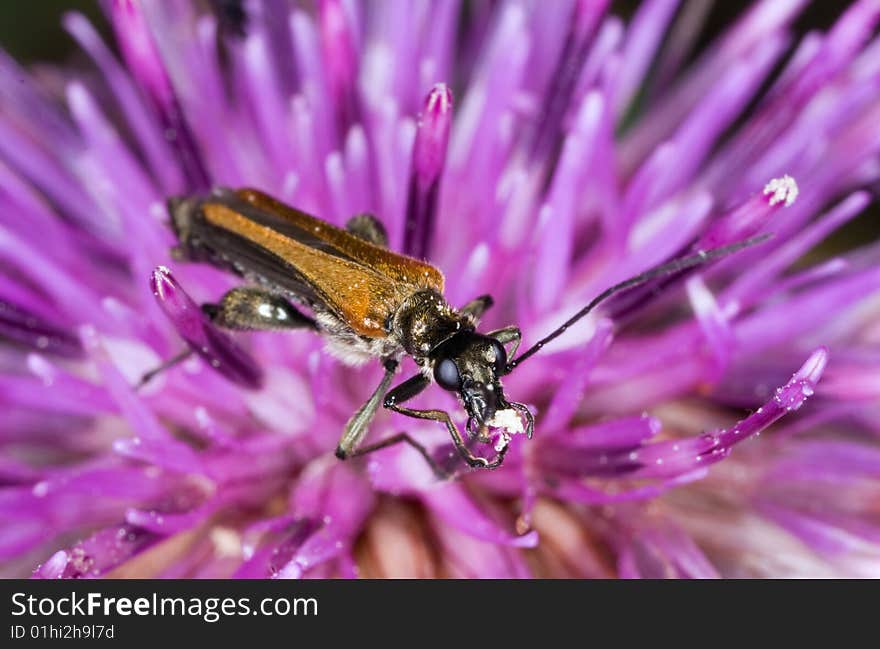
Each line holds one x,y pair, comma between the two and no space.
674,266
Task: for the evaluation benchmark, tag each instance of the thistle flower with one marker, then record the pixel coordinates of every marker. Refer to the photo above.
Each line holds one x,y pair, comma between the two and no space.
539,156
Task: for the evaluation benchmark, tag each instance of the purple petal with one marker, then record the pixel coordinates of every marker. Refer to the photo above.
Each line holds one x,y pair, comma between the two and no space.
29,329
340,58
428,161
97,555
451,504
144,62
214,346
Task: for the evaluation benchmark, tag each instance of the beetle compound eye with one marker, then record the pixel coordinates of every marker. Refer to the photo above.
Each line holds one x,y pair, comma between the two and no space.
500,358
446,374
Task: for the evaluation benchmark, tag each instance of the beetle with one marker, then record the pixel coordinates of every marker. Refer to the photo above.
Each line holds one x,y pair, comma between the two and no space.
370,302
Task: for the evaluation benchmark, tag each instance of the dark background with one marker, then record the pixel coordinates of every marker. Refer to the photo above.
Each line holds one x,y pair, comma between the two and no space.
31,31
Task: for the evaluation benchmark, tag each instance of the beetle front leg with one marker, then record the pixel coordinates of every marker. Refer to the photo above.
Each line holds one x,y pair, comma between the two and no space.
356,429
510,334
477,307
413,386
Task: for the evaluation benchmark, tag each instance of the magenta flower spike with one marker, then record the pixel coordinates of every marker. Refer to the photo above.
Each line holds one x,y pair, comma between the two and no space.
718,422
341,59
213,345
428,160
29,329
145,64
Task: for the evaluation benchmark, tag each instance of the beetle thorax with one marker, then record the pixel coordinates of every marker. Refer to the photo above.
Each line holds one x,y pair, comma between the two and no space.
423,321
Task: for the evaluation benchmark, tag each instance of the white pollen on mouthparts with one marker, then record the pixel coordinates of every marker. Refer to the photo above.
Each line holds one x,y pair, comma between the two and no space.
507,419
782,190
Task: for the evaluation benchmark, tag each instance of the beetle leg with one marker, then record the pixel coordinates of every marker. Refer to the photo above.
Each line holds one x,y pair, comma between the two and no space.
368,228
357,427
250,308
171,362
477,307
358,424
397,439
410,388
510,334
243,308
